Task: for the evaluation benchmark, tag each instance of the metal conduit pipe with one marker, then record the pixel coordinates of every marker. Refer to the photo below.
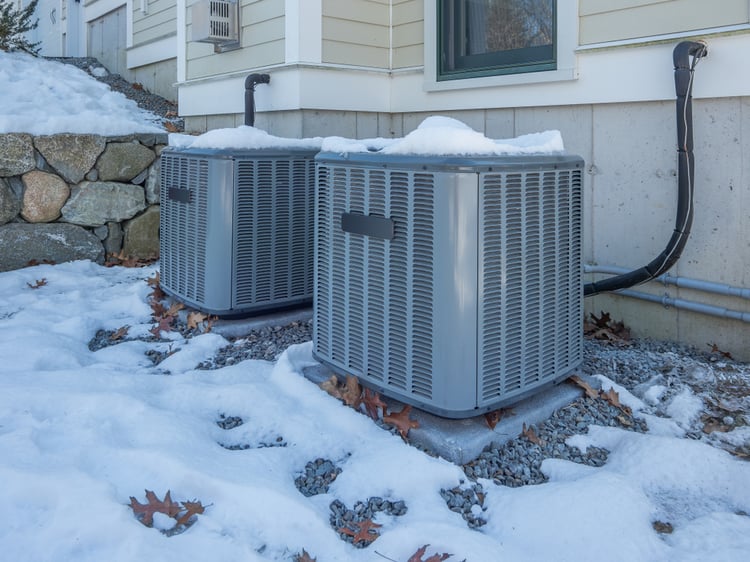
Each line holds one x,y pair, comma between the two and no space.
683,282
688,305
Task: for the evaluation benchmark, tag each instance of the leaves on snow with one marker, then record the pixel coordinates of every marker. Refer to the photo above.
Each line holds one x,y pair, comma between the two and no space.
353,394
39,283
184,513
610,395
530,434
418,556
366,532
401,421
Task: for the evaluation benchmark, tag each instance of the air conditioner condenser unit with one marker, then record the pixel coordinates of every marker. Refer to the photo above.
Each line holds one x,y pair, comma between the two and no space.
453,284
236,228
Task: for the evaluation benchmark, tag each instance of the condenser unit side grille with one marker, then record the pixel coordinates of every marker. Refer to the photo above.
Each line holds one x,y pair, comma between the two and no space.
183,225
530,309
380,328
473,299
273,231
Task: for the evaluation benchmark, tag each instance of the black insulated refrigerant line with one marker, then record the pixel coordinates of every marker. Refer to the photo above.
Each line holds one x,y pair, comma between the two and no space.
683,79
250,83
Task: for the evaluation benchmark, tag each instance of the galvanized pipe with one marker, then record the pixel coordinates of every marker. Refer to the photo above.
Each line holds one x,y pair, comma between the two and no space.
683,282
666,301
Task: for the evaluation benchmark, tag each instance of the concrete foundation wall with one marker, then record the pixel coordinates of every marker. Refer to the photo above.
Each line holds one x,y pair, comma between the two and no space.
630,194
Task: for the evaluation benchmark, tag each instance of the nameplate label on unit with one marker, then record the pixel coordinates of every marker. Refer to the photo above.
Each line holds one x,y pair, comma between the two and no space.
367,225
181,195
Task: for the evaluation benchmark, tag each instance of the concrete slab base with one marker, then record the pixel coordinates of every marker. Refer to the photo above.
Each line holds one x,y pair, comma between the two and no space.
458,441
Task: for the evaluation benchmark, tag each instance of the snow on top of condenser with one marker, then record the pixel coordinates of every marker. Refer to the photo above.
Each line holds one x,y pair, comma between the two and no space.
444,136
241,138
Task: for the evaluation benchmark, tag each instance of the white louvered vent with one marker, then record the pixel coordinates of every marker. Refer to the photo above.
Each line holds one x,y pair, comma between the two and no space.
215,21
451,285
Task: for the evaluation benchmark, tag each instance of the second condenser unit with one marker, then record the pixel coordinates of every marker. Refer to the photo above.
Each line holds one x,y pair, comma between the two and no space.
236,232
453,284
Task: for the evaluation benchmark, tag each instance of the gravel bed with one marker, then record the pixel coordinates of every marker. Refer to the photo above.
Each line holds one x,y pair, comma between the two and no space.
656,372
158,105
266,343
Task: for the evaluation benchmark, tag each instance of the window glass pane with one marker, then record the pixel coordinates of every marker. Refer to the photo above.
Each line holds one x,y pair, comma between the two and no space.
484,37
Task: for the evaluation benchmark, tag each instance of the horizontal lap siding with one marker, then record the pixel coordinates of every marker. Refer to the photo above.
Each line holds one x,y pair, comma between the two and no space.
408,33
613,20
356,32
262,37
160,21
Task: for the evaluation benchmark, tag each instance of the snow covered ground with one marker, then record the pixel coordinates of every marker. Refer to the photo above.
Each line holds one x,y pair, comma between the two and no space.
82,431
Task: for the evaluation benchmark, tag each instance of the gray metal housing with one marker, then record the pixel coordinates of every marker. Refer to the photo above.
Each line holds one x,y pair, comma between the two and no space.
237,228
453,284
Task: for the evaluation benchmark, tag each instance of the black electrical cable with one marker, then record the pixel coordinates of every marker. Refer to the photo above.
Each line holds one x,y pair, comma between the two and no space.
683,78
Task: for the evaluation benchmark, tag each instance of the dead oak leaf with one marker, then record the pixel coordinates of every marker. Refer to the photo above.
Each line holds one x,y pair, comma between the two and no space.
192,509
401,421
145,512
304,557
590,391
352,393
195,319
174,309
331,386
39,283
418,556
153,281
613,398
493,418
119,333
530,434
373,403
164,324
367,531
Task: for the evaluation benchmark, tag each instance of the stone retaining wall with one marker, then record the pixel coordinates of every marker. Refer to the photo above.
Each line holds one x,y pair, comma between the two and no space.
66,197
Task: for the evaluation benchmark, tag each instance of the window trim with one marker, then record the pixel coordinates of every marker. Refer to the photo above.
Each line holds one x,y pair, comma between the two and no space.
565,49
489,64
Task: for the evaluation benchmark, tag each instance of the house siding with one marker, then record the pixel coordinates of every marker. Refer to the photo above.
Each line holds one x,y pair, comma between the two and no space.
614,20
408,33
160,21
262,38
356,33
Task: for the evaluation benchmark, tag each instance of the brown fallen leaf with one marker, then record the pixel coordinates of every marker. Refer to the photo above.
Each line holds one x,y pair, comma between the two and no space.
195,319
401,421
590,391
366,531
662,527
352,393
418,556
153,281
493,418
715,349
530,434
304,557
39,283
174,309
331,386
191,509
171,127
373,404
145,512
614,398
164,324
119,333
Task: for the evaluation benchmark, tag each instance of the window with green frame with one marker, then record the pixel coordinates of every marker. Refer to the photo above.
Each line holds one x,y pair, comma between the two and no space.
492,37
